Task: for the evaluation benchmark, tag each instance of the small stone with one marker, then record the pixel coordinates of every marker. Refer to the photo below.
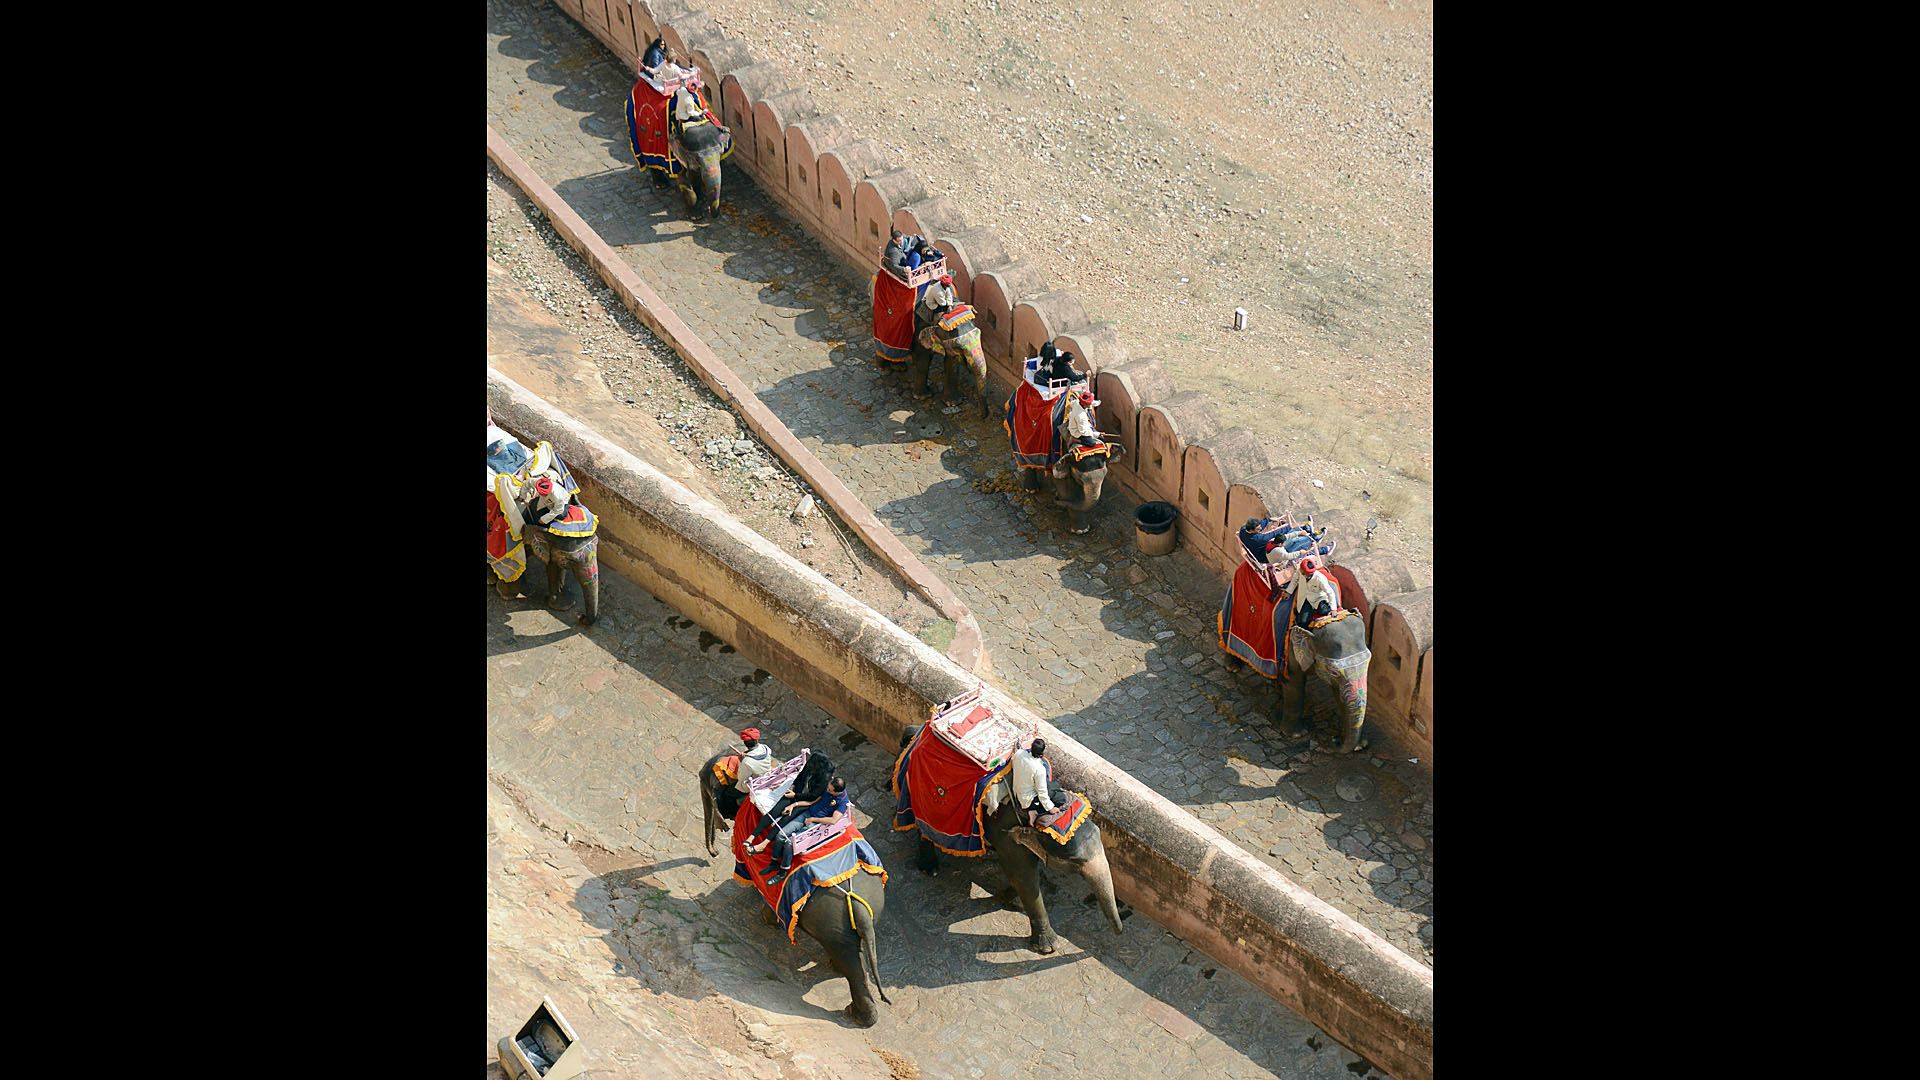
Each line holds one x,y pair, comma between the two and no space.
743,446
764,472
1163,635
803,507
1085,220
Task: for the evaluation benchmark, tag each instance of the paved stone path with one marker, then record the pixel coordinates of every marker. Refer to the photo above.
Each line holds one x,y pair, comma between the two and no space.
598,734
1118,649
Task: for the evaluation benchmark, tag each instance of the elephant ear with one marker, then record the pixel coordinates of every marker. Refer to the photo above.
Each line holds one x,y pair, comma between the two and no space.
1300,640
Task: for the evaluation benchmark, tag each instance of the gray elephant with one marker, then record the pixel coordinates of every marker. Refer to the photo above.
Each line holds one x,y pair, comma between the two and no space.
532,492
1334,650
569,543
699,146
1021,849
953,337
844,918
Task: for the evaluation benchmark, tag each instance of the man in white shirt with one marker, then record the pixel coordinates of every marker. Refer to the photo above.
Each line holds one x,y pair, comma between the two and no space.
1030,776
757,761
935,300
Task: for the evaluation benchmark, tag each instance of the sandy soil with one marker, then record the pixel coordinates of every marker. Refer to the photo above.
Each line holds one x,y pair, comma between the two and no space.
1279,158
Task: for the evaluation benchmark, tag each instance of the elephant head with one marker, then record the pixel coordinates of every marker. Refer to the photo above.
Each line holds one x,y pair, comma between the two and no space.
719,802
699,148
954,336
1336,653
1079,476
1084,854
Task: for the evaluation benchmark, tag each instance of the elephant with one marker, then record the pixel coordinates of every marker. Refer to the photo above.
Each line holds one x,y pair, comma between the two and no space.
1335,651
953,337
1077,477
1021,849
699,148
568,541
843,918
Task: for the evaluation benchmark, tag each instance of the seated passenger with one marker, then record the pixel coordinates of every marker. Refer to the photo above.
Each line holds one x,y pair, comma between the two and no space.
828,809
1063,369
1041,372
895,256
651,59
807,788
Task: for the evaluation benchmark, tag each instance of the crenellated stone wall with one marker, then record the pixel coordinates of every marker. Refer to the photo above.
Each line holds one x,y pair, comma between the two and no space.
847,193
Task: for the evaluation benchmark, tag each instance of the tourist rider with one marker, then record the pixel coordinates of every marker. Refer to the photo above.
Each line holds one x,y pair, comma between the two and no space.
829,809
1030,776
651,59
807,788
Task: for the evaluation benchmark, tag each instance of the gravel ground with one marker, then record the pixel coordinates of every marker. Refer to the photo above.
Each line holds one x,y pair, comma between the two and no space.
646,374
1282,162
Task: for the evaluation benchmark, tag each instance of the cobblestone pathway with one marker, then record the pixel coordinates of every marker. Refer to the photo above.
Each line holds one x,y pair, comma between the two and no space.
599,733
1117,649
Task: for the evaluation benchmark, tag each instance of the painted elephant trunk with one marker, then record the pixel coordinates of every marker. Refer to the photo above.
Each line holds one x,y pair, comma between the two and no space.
1348,674
1100,876
710,177
706,811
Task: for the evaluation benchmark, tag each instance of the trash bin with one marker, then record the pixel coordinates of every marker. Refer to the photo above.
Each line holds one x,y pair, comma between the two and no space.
545,1047
1153,527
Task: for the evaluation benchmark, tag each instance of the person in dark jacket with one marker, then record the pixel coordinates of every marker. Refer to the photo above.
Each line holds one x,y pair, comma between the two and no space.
828,809
806,790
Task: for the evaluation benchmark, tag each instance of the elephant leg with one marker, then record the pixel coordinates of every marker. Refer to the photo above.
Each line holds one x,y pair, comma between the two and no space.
949,371
927,859
1029,479
845,959
556,582
922,386
1293,705
1022,868
506,589
587,568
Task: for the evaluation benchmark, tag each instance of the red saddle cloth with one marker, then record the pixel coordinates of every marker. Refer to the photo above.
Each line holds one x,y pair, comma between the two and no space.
1061,826
1031,417
893,303
1247,623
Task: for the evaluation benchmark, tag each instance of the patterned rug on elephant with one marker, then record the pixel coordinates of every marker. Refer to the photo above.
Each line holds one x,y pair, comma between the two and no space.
1032,416
823,867
1063,825
942,792
893,302
647,128
1252,625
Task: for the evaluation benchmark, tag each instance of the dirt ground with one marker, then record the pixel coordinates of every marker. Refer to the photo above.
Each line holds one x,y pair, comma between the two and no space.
1278,158
668,414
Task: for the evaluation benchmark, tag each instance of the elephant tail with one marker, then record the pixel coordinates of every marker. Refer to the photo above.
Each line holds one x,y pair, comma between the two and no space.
862,917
